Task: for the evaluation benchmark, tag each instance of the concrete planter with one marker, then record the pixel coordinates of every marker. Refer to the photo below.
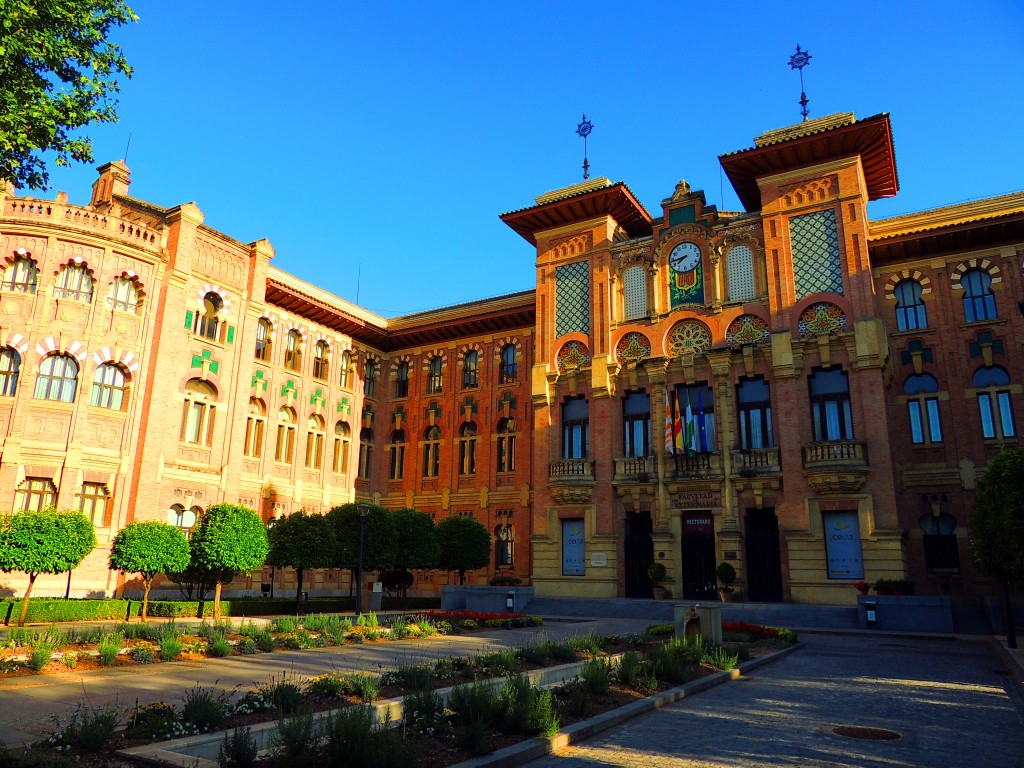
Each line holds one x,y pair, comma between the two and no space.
907,613
456,597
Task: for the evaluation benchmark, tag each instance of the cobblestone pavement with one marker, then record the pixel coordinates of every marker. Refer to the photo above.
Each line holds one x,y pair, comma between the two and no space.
949,699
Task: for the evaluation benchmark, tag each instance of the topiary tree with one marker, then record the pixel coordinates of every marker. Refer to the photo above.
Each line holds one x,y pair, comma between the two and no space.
229,537
43,541
416,546
997,526
147,549
465,545
379,538
301,541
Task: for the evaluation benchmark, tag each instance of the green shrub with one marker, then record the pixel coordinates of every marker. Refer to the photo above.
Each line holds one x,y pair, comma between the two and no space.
348,735
527,709
284,624
218,647
238,750
247,646
144,631
109,646
363,686
596,674
399,629
249,629
171,645
42,652
537,653
214,631
296,739
265,642
177,609
563,651
143,654
153,721
474,702
44,610
723,659
284,694
628,672
579,697
422,707
417,677
297,640
661,630
497,664
87,730
205,708
70,659
327,686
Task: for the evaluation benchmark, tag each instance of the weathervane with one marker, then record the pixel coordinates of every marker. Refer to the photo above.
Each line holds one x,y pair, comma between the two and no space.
798,61
584,129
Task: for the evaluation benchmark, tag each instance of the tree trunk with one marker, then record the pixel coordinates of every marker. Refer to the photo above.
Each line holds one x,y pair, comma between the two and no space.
1011,629
24,600
298,589
145,598
462,576
216,601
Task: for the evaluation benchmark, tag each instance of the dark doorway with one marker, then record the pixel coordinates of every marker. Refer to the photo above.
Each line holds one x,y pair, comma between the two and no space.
699,580
639,554
764,564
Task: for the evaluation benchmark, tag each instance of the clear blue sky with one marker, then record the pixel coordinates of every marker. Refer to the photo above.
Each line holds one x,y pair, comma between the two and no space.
392,135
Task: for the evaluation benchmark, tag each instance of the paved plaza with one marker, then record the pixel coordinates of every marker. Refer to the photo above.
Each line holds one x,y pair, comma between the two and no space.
949,699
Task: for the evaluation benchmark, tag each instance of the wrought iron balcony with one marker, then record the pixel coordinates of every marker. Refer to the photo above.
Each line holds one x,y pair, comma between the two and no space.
571,480
836,466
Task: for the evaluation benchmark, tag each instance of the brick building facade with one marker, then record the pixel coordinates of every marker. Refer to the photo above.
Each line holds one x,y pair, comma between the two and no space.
794,389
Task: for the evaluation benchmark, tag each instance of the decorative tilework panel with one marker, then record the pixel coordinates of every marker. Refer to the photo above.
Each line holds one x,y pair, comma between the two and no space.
747,329
815,242
572,298
632,347
821,318
634,289
573,354
740,263
689,337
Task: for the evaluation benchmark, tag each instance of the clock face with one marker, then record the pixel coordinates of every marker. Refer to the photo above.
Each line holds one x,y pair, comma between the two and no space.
684,257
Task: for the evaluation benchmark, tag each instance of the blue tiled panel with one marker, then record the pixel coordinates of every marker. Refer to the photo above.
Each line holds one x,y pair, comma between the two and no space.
572,298
815,243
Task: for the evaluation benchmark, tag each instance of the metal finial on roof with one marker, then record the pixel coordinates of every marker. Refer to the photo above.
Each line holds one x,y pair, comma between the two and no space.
798,61
584,129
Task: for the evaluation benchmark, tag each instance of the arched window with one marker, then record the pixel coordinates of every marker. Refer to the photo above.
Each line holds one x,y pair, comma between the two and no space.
740,265
293,350
634,293
755,414
831,414
402,380
992,385
910,310
471,370
321,367
575,428
370,379
506,445
397,454
57,379
124,295
503,541
434,375
365,453
10,366
941,551
20,276
979,302
284,446
198,413
923,408
467,448
342,440
92,502
636,422
255,424
314,442
182,518
345,370
263,329
35,494
74,282
209,321
509,371
432,451
109,386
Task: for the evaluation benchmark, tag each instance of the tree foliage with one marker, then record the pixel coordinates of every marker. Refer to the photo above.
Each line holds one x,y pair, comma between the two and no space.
228,537
997,521
59,73
302,541
379,538
45,541
465,545
149,548
416,544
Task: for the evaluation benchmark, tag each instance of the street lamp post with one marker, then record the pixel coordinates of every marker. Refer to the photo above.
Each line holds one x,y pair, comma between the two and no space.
364,510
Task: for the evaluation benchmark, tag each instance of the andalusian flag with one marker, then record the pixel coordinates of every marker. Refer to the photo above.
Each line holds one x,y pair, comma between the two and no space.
690,439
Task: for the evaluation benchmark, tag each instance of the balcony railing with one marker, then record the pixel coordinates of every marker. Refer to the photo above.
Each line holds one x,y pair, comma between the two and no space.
571,481
695,465
835,454
635,469
757,461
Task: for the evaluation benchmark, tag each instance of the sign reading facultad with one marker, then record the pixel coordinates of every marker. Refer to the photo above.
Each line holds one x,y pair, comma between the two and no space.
574,556
842,545
697,500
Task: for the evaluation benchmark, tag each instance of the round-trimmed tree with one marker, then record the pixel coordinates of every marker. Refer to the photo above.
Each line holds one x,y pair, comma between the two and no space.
301,541
229,537
378,538
44,541
416,546
997,526
149,548
465,545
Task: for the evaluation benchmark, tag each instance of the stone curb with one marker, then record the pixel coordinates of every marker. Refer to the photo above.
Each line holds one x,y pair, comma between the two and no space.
531,749
1009,660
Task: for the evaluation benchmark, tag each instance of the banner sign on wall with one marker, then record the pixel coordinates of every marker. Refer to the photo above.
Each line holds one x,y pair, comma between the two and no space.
842,545
573,550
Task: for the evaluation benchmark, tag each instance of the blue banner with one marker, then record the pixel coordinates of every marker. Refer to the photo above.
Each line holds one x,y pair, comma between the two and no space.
842,545
574,561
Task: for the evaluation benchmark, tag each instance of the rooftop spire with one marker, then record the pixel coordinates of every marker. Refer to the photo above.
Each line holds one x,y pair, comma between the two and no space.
798,61
584,129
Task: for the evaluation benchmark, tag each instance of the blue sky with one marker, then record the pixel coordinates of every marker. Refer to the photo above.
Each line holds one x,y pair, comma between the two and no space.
384,139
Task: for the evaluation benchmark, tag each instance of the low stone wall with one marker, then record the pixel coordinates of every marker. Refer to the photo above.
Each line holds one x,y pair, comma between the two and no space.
907,613
456,597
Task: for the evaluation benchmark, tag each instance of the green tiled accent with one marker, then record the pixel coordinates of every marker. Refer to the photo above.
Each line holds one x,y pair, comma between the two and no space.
317,398
907,356
188,320
288,390
400,411
206,355
368,414
470,403
258,382
985,337
572,298
231,334
435,409
816,263
685,215
506,397
344,407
